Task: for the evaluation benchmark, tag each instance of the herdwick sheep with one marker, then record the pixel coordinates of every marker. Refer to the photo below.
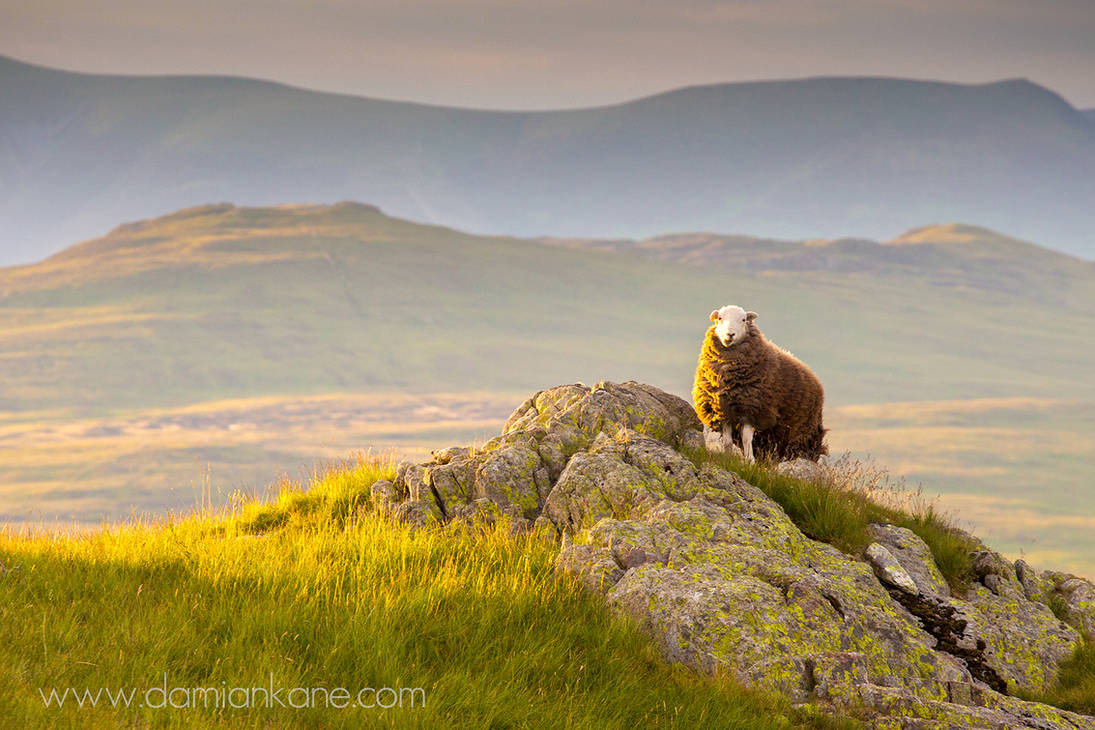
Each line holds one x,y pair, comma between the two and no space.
748,389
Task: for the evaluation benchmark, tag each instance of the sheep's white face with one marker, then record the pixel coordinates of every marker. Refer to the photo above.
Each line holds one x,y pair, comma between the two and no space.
732,324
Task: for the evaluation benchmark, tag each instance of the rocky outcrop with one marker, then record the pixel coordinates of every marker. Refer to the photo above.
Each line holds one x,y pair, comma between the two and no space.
721,578
517,470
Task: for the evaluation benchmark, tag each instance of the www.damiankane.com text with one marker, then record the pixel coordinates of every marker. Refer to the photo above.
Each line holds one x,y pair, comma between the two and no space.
225,697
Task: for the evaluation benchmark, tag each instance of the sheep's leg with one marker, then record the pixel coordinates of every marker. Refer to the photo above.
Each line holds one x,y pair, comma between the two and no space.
747,441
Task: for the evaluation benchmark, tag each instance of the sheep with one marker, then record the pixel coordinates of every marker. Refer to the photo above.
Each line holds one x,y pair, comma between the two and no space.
750,390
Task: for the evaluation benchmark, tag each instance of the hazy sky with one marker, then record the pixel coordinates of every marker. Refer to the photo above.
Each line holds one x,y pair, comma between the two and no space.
544,54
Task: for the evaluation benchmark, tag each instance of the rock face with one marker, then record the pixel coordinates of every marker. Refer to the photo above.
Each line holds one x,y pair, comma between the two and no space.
720,577
517,470
1006,640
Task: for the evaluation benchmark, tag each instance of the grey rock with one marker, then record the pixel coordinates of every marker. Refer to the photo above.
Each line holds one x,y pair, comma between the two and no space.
444,456
1007,639
594,568
1033,586
1078,598
419,512
412,482
913,555
692,440
519,467
384,494
801,469
963,707
888,570
484,512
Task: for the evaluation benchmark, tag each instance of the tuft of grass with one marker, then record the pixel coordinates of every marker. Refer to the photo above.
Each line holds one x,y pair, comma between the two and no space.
317,590
1058,605
1075,686
336,494
838,506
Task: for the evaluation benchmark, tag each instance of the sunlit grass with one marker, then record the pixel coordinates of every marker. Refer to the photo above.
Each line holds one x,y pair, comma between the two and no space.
316,589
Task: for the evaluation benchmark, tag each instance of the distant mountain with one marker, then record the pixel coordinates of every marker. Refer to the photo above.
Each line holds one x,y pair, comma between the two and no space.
1089,113
794,159
829,156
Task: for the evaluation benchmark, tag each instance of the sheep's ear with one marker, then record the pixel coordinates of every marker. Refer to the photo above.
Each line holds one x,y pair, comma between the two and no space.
750,316
714,317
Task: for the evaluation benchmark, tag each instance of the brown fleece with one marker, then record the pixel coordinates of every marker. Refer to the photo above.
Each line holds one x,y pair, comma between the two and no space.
755,382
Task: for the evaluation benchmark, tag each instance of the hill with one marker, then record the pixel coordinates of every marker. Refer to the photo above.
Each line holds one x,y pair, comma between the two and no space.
221,301
250,341
793,159
952,255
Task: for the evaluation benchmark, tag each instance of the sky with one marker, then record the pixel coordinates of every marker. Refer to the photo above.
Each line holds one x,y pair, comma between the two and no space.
540,54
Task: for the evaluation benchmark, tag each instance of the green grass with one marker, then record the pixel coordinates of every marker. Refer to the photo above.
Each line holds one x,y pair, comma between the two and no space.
1058,605
1075,687
838,507
317,590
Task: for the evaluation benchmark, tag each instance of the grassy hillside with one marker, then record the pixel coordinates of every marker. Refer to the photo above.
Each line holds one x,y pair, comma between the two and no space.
329,595
823,156
219,346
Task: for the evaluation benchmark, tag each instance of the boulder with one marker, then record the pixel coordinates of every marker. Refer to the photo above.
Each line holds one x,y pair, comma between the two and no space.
913,555
1076,597
519,467
721,579
888,569
804,469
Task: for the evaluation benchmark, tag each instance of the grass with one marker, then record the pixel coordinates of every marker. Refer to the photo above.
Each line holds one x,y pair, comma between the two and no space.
838,507
1058,605
317,590
1075,687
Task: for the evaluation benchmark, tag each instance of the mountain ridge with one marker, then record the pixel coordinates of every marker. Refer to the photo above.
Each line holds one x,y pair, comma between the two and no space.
1014,82
828,157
